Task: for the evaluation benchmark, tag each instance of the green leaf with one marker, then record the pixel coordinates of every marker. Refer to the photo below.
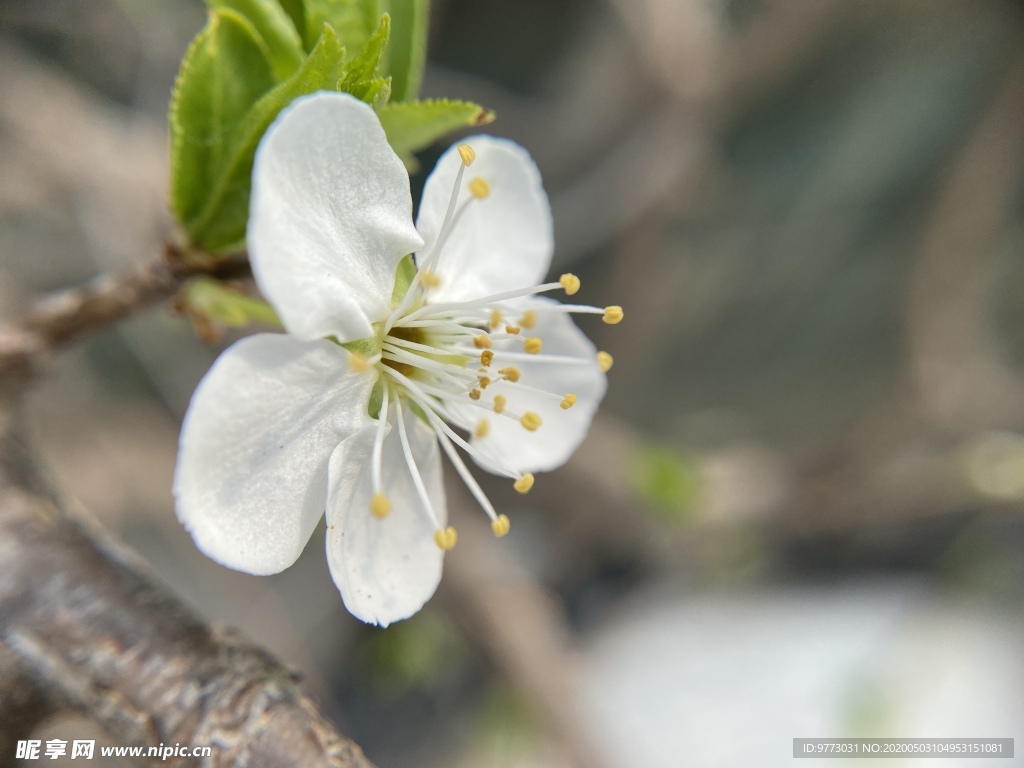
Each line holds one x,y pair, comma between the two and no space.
224,71
296,10
275,27
220,226
413,125
215,301
353,20
360,78
406,55
374,92
364,66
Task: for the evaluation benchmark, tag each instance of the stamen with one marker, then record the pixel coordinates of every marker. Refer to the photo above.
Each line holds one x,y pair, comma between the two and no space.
430,279
604,361
529,319
486,358
500,526
495,318
474,394
460,467
357,363
467,153
570,282
485,382
482,342
524,483
482,428
612,315
499,403
479,187
417,481
532,345
568,401
512,329
378,439
446,435
531,421
442,236
544,393
380,505
436,310
394,341
510,374
398,354
560,359
446,538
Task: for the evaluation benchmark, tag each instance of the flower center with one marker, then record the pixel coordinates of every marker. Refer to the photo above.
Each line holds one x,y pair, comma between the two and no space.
441,357
399,337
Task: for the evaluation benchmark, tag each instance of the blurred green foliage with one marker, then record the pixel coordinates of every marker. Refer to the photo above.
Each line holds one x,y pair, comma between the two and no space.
412,655
667,480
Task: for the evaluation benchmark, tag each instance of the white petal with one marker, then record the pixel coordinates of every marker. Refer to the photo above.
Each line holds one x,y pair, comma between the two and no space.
330,217
562,431
385,569
251,479
499,243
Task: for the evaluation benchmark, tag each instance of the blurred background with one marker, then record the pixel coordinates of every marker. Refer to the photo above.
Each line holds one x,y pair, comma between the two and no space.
799,512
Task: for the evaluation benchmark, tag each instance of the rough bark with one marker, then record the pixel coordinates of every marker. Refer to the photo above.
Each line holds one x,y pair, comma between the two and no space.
83,627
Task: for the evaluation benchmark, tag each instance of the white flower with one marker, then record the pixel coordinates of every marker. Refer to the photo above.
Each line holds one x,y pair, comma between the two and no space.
285,426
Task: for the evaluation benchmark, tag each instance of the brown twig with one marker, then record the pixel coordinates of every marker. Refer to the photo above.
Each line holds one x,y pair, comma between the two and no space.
92,308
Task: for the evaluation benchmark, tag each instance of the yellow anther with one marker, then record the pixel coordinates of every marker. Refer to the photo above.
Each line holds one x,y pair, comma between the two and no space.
357,363
570,283
510,374
532,345
512,329
482,342
446,538
474,394
604,361
466,153
529,318
612,315
479,187
500,526
430,279
380,505
524,483
568,401
484,382
482,428
531,421
499,403
495,318
487,357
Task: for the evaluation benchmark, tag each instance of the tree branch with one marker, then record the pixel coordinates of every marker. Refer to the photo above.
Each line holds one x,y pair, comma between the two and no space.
90,631
70,315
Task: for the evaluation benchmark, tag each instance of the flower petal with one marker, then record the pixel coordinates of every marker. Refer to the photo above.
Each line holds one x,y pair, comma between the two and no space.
251,479
330,217
561,431
386,569
499,243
